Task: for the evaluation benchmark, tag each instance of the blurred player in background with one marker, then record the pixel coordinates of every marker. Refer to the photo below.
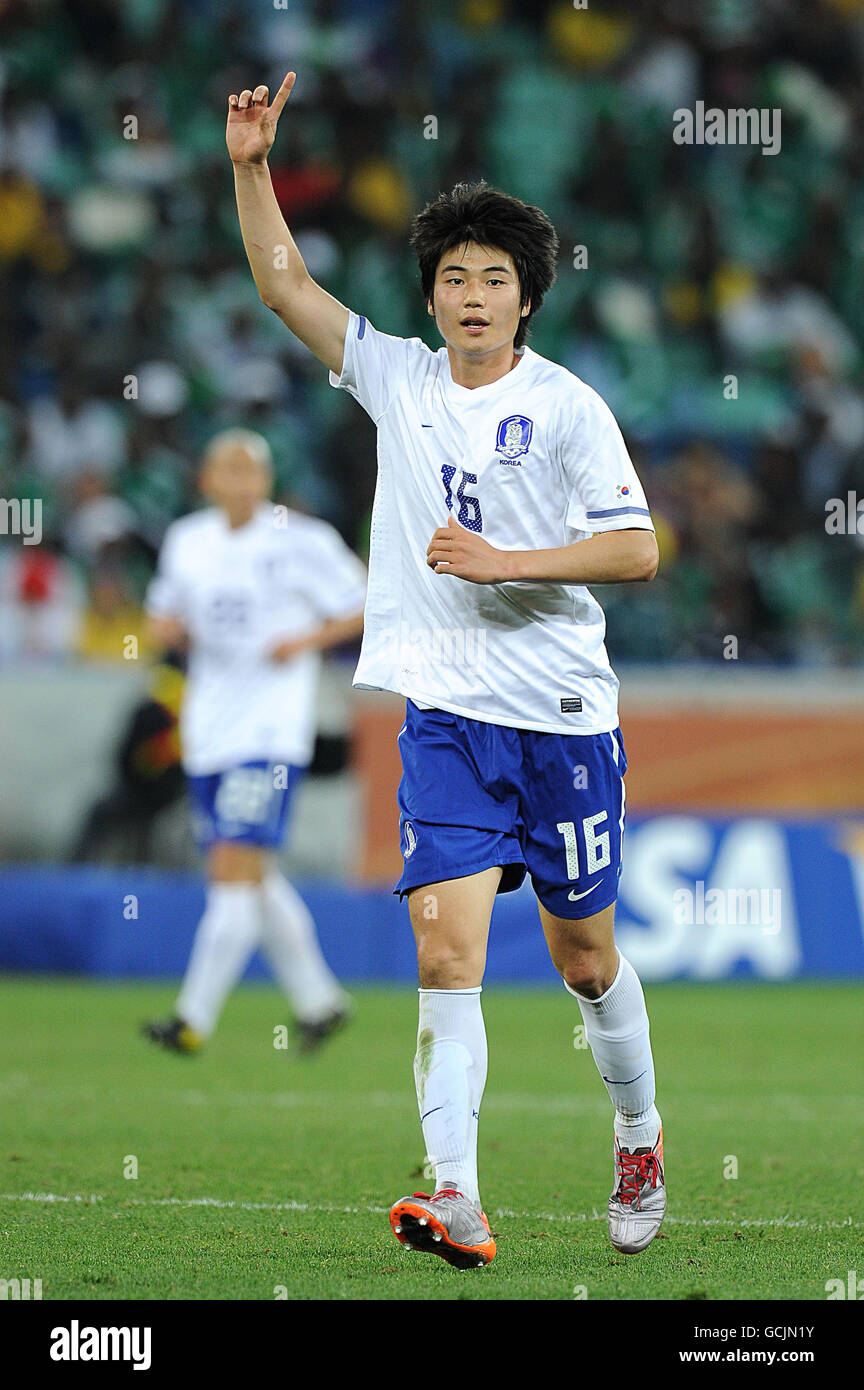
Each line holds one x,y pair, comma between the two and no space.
257,592
513,762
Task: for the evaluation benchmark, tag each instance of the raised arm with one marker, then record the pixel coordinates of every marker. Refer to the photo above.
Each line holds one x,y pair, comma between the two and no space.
283,281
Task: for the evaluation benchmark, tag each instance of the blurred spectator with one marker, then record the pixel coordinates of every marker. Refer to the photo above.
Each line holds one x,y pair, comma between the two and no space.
70,432
41,602
148,775
98,519
112,625
130,329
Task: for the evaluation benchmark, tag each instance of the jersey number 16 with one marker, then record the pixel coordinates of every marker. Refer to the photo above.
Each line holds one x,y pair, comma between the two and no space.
469,514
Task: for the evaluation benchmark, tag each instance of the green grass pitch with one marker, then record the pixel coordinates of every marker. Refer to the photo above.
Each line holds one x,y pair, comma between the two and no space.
260,1174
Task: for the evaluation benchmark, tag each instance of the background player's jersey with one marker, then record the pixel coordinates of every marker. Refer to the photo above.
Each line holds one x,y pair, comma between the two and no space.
531,461
239,593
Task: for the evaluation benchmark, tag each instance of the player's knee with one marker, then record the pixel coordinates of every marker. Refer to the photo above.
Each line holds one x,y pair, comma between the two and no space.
448,964
586,971
232,863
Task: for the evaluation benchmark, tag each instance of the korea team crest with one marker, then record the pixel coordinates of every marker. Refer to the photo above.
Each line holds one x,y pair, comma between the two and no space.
514,436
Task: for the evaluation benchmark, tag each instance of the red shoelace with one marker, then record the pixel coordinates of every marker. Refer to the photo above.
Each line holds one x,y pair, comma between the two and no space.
443,1192
635,1170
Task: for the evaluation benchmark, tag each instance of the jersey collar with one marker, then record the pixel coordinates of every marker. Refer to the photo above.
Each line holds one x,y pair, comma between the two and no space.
263,513
492,388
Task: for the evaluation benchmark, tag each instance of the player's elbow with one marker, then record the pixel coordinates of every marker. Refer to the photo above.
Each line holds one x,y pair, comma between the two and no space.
285,293
274,302
636,556
647,562
279,298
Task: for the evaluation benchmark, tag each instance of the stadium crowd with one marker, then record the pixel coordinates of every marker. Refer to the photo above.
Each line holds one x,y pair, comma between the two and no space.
712,294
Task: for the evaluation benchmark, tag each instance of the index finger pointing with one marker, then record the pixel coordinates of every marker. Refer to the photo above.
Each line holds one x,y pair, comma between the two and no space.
284,92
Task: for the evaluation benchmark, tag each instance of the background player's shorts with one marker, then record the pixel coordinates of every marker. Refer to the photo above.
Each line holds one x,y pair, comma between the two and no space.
475,795
247,804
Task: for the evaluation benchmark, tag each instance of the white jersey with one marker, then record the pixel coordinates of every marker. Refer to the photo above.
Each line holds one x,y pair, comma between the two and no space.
531,461
239,592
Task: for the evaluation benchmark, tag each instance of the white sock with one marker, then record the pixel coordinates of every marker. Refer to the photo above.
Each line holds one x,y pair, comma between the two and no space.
291,944
617,1029
450,1074
226,937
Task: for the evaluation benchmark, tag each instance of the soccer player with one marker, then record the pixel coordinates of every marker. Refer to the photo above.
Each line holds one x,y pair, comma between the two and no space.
257,592
504,490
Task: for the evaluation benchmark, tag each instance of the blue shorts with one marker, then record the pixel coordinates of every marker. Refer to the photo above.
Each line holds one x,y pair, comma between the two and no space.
475,795
247,804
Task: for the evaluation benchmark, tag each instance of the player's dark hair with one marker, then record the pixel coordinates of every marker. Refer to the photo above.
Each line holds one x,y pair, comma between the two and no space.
475,212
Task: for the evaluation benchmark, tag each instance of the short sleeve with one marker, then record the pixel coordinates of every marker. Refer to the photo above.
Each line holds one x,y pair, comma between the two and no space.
166,592
605,493
373,365
338,587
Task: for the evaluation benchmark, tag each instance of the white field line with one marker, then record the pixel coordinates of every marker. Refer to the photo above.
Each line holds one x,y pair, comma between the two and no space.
563,1218
506,1101
386,1100
290,1100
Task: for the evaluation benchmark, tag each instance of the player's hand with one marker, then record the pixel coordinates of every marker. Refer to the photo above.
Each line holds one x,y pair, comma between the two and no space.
290,647
167,633
252,122
453,550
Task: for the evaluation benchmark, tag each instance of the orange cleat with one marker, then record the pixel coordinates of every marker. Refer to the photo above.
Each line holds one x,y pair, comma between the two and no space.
446,1224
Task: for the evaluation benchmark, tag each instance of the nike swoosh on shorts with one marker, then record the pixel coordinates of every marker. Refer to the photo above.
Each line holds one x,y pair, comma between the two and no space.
574,897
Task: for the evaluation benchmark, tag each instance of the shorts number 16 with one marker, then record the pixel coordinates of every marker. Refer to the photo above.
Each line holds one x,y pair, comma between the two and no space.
597,850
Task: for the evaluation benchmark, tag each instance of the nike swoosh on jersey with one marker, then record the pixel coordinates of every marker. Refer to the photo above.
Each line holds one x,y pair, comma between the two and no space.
574,897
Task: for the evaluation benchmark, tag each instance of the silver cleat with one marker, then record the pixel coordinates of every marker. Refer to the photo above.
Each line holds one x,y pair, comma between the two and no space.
638,1201
447,1224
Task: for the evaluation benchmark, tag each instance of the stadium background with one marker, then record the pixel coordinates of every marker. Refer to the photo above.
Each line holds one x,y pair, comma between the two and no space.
718,307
